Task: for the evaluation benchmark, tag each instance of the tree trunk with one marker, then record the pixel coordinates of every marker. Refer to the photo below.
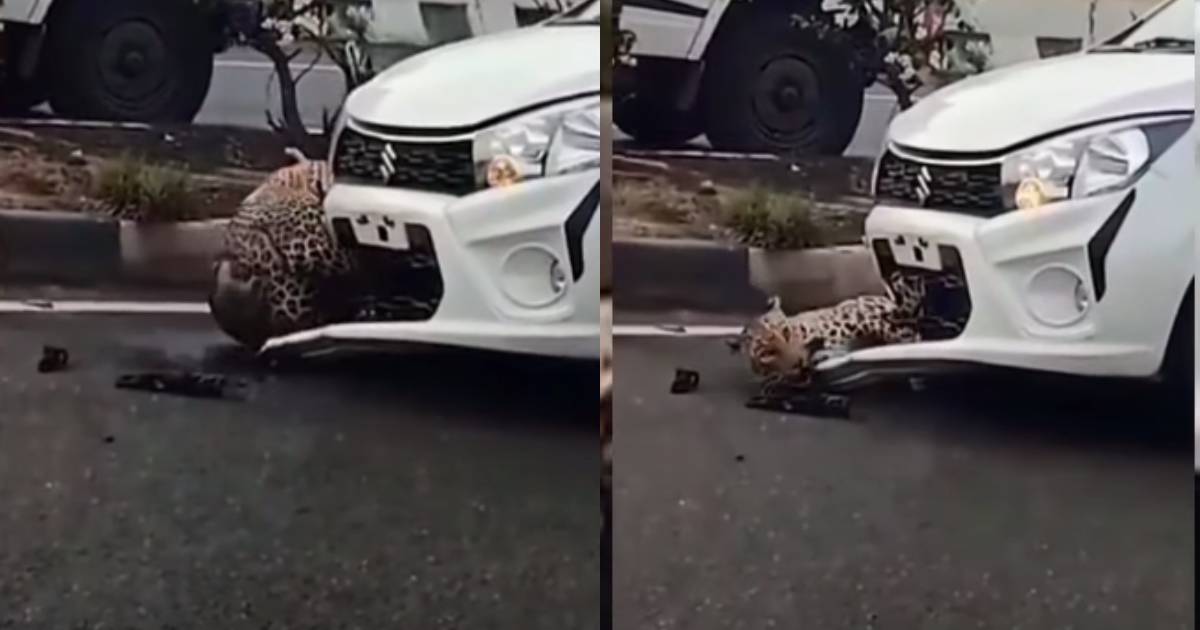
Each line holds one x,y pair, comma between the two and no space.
292,126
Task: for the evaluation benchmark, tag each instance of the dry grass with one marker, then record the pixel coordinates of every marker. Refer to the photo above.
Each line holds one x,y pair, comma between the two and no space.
134,189
757,216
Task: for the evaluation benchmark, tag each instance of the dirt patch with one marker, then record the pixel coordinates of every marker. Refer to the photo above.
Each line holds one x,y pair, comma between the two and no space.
57,168
669,205
827,178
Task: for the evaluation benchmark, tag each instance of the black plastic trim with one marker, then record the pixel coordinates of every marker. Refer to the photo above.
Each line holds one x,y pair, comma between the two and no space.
576,226
996,154
462,130
667,6
1101,242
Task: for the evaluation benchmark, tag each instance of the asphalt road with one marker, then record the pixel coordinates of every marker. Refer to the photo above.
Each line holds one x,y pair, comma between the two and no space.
978,504
243,88
440,490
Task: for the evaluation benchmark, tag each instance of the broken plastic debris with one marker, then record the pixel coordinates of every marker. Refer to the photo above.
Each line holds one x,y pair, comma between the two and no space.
193,384
53,359
685,381
832,405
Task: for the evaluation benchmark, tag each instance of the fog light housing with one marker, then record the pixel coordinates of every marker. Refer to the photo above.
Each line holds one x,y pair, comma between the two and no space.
533,277
1058,296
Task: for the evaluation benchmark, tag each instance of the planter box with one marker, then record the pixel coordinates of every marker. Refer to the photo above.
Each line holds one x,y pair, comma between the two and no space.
814,278
171,253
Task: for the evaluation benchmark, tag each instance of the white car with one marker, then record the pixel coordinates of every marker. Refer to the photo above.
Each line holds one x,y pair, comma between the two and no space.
1056,201
467,186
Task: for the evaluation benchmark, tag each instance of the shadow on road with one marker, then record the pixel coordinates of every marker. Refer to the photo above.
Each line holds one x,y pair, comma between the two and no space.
1030,410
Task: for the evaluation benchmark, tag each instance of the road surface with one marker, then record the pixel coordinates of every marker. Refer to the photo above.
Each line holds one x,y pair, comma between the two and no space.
445,490
239,97
998,506
243,88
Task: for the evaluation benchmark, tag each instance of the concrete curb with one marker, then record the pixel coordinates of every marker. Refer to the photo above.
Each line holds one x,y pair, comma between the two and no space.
654,274
813,278
70,248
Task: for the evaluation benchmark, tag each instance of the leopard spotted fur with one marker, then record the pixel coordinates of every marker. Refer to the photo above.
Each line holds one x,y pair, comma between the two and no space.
277,251
784,349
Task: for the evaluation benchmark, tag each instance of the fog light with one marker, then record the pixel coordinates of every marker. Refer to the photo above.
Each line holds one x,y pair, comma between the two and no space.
532,276
558,278
503,171
1058,296
1083,301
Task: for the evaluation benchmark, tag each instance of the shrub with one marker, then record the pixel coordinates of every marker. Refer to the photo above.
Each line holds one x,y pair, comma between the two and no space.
761,218
134,189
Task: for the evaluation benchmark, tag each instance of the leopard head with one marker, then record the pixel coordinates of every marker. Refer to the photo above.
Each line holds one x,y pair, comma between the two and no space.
775,345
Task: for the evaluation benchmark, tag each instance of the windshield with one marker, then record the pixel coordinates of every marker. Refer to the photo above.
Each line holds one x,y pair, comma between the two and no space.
587,12
1170,27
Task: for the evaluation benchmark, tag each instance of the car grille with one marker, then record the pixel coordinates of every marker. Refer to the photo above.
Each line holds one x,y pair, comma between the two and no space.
974,190
390,285
443,167
946,307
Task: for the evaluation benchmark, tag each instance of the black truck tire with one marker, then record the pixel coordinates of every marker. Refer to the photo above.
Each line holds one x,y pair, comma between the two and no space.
145,60
653,122
18,95
647,109
771,87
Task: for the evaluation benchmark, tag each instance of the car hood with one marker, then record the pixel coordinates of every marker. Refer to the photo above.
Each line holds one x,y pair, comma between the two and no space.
999,109
475,80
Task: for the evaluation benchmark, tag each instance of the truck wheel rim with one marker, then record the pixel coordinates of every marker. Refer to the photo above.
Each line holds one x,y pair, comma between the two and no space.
133,62
786,98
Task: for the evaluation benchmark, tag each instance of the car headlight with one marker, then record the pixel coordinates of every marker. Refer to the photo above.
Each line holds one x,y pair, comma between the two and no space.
576,145
1086,163
519,149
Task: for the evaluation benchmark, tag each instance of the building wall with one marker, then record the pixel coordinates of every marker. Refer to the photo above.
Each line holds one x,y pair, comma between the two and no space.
1015,26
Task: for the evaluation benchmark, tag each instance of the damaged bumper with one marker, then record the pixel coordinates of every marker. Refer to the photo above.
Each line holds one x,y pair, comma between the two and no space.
1022,276
512,269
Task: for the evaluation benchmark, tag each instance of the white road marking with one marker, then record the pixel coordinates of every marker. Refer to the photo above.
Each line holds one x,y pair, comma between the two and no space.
63,122
108,307
119,307
699,153
267,66
674,330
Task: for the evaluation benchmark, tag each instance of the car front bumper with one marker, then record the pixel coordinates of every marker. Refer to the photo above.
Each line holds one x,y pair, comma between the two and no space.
1122,332
494,251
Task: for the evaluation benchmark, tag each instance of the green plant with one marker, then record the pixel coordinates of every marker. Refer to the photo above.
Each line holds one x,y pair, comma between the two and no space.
135,189
770,220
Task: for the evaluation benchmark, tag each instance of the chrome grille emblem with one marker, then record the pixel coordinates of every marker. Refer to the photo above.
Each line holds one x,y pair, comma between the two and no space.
387,167
924,180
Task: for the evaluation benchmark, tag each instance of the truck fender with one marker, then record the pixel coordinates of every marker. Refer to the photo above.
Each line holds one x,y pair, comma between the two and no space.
707,29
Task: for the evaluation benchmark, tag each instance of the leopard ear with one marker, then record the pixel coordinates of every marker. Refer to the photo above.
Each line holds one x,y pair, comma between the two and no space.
295,155
775,305
814,345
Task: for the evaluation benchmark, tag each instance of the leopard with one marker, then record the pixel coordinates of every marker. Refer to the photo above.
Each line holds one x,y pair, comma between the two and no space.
783,350
277,253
